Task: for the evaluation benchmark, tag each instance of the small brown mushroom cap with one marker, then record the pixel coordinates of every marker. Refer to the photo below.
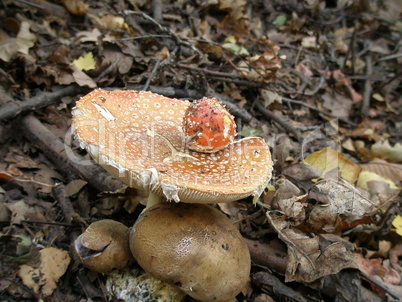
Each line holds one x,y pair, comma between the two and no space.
132,134
194,247
104,246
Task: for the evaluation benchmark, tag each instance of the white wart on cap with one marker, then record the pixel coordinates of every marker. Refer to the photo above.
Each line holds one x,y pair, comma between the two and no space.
138,136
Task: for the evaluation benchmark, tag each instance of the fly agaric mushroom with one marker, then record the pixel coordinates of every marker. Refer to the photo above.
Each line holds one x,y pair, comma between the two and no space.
208,126
193,247
138,136
104,246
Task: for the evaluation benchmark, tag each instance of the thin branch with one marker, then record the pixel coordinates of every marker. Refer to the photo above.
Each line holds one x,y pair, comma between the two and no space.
316,109
11,110
367,87
271,116
56,151
153,72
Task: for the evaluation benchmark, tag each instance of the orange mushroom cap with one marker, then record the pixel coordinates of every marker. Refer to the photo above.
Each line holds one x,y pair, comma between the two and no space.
138,136
208,126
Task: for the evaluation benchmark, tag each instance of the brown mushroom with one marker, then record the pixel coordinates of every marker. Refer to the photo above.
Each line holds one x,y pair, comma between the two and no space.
138,136
194,247
104,246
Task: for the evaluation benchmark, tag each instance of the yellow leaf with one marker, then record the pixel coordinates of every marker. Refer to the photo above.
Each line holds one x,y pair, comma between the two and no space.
328,159
397,223
86,62
367,176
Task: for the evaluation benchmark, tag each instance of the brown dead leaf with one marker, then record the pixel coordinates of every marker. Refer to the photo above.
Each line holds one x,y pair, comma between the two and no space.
10,47
232,208
374,267
339,105
82,78
310,258
53,264
21,160
74,186
76,7
337,199
20,210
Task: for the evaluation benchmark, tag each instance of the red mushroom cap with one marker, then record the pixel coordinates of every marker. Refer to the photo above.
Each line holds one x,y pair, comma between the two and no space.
208,126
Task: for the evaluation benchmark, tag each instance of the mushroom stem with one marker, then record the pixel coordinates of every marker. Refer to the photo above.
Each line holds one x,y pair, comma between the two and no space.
153,199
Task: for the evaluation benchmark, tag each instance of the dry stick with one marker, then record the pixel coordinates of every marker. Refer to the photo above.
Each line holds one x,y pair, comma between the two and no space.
157,10
367,87
233,108
379,285
208,71
55,150
270,115
170,91
153,72
11,110
269,283
317,109
60,194
161,28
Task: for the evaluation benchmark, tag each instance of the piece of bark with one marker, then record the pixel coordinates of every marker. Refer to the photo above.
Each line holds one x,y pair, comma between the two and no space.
55,150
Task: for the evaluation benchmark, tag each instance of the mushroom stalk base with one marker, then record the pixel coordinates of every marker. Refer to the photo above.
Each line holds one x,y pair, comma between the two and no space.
153,199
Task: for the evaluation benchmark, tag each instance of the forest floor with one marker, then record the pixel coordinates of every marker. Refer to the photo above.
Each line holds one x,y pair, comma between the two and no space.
320,81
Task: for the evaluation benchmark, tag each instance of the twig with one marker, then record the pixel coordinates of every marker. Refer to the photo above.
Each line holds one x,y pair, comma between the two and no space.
270,284
107,70
351,51
11,110
270,115
55,150
154,69
379,285
208,71
163,29
170,91
47,223
233,108
316,109
391,57
60,194
157,10
367,87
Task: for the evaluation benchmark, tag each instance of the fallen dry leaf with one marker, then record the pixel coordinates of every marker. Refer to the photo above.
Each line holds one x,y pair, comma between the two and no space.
328,159
372,267
337,199
10,47
311,257
53,264
85,62
20,210
81,78
385,151
385,169
76,7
